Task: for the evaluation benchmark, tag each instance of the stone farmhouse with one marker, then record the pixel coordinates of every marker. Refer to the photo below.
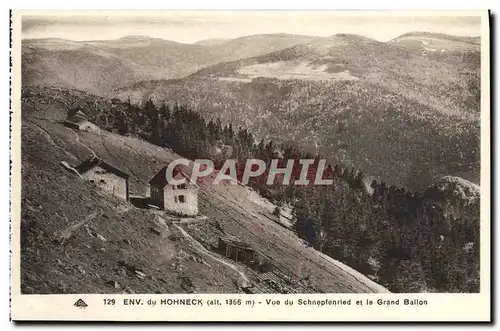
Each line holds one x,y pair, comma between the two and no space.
105,176
180,199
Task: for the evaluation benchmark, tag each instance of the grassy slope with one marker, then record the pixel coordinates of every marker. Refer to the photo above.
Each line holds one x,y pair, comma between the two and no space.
428,80
55,200
438,41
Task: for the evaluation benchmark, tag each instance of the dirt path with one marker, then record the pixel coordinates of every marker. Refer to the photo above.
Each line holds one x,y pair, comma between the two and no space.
87,147
204,251
68,232
50,140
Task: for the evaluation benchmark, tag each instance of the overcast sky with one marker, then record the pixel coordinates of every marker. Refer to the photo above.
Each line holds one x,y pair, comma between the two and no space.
189,27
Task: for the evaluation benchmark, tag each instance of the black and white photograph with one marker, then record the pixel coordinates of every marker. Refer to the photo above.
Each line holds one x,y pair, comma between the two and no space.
252,152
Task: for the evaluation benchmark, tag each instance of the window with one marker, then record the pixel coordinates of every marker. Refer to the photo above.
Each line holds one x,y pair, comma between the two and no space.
175,199
102,181
182,186
182,198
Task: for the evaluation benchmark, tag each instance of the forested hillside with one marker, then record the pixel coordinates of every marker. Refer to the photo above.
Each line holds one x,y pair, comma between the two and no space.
408,241
392,111
366,126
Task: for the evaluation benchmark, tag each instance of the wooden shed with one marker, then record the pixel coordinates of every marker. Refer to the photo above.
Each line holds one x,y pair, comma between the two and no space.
237,250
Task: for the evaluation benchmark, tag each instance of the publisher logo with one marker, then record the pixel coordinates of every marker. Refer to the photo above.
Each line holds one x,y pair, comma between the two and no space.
80,304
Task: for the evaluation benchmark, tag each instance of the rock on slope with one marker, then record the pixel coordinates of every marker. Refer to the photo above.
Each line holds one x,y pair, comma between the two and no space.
458,197
76,239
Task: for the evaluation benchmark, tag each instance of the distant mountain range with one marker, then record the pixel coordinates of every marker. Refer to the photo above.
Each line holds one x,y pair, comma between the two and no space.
103,65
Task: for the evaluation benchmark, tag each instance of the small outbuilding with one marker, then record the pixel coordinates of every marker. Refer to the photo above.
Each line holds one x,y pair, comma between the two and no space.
237,250
77,114
106,176
78,120
177,198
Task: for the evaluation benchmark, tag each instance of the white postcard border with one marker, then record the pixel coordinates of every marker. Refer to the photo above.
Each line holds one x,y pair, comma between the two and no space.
439,307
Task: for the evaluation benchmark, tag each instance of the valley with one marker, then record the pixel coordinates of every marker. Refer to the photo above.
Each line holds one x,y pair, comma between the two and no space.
354,99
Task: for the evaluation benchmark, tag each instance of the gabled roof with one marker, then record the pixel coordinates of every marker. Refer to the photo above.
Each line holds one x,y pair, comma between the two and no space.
160,179
95,161
77,113
77,121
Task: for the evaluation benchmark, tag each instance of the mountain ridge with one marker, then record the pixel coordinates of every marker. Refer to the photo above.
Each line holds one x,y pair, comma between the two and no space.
470,39
124,61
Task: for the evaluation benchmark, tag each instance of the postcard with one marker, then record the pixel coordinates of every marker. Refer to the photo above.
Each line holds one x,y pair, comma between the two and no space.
320,166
